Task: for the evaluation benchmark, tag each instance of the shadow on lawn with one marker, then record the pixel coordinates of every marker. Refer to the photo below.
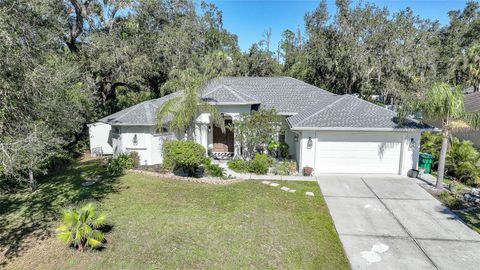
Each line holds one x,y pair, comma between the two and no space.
26,217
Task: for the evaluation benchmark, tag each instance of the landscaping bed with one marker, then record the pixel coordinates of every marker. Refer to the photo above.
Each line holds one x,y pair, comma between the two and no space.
162,223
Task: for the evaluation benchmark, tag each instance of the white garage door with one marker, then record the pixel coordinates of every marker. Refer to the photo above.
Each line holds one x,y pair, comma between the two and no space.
344,152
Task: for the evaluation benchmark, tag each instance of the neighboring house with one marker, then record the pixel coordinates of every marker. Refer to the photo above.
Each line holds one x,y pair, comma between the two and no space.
472,102
331,133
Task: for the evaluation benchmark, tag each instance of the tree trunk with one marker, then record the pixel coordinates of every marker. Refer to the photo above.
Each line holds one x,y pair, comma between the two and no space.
441,162
32,181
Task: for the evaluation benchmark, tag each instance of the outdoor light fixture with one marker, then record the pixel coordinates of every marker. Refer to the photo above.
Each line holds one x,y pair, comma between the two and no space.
209,128
309,143
135,140
412,144
295,138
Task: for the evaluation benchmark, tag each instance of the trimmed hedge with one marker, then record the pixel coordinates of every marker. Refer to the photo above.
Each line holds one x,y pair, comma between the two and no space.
186,155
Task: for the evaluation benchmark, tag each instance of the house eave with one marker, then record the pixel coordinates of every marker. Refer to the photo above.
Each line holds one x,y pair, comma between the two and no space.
232,103
364,129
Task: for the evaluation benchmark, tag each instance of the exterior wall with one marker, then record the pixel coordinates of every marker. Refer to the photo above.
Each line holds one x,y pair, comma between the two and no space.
100,137
292,145
236,109
408,156
149,144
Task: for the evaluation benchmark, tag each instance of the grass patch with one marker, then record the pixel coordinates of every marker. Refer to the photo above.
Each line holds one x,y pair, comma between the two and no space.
472,218
167,224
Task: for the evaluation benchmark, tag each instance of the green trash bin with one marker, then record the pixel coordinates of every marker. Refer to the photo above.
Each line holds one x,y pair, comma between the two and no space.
425,161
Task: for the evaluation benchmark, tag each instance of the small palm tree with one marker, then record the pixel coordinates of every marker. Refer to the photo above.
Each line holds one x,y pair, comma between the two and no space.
445,103
473,66
186,107
80,226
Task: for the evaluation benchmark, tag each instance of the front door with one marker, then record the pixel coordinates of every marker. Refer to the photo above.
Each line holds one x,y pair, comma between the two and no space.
223,142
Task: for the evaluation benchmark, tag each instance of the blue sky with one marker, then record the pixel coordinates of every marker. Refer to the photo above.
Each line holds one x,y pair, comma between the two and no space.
248,19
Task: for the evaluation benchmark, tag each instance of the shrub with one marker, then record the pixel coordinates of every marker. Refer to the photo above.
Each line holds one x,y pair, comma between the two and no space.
284,150
135,159
186,155
431,143
259,164
278,149
462,157
449,200
292,166
280,168
120,163
214,170
462,160
79,227
238,165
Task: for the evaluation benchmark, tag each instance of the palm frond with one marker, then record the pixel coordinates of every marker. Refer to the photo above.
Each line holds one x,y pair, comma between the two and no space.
93,242
169,107
65,236
99,220
473,119
217,118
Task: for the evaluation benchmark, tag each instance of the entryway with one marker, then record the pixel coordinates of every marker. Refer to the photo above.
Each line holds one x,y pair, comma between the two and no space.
223,143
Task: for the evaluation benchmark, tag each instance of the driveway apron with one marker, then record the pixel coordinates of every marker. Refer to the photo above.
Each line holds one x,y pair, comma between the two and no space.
390,222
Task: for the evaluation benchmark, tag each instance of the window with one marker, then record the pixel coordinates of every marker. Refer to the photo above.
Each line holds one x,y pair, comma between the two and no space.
135,140
281,138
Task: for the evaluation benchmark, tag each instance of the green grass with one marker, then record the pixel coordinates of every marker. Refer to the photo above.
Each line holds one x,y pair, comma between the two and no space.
472,218
166,224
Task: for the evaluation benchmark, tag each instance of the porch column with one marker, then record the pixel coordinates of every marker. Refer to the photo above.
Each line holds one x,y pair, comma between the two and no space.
201,128
236,142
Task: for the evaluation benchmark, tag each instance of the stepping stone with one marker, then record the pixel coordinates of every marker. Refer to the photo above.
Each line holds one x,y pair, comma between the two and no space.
88,183
274,184
309,193
266,182
285,188
292,190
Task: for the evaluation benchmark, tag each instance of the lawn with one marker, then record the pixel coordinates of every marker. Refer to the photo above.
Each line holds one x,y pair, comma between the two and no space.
161,223
472,218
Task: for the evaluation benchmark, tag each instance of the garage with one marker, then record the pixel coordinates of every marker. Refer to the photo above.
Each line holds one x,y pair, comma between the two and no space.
357,152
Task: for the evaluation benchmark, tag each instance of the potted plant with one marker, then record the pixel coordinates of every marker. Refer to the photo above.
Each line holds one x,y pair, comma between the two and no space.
307,171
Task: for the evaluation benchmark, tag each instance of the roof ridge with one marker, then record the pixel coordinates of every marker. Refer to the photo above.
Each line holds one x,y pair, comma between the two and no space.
214,89
371,103
321,110
234,93
240,92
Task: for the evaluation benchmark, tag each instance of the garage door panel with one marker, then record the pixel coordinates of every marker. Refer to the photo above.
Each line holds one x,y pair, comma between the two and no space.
358,153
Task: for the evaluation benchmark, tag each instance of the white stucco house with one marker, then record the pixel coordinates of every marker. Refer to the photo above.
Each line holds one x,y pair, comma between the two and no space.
329,132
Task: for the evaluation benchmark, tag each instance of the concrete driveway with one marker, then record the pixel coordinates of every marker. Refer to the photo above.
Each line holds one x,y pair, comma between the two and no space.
390,222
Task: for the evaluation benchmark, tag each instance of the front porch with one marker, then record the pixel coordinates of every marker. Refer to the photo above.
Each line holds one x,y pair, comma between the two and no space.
218,144
225,145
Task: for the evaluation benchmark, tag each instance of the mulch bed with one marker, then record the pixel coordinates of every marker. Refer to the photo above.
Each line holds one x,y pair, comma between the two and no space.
202,180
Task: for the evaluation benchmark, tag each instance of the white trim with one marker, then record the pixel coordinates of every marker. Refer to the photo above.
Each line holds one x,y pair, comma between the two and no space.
233,103
364,129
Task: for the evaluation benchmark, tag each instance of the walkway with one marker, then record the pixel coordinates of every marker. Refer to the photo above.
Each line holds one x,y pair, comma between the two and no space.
252,176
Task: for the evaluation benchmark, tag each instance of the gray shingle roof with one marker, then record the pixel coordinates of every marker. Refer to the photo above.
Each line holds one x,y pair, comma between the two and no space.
350,112
142,114
287,95
224,94
309,106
